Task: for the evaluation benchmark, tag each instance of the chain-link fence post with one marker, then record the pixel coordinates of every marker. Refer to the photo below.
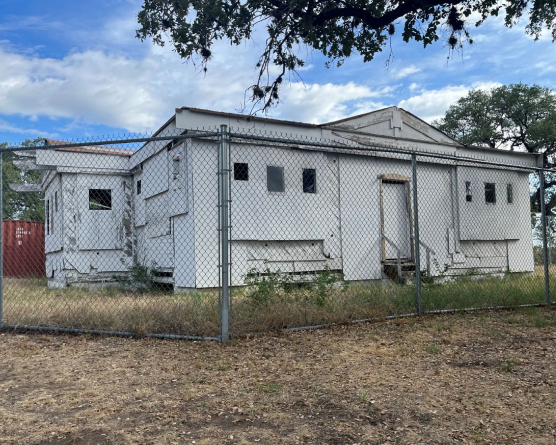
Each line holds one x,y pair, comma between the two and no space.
416,234
1,245
224,228
544,238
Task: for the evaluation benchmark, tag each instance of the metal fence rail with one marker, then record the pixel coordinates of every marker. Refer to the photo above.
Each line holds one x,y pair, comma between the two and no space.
222,232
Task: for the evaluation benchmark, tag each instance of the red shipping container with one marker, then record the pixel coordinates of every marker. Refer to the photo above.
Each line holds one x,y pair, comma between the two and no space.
24,254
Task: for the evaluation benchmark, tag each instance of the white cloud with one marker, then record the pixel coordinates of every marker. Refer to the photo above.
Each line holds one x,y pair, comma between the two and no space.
407,71
432,104
322,103
10,128
139,94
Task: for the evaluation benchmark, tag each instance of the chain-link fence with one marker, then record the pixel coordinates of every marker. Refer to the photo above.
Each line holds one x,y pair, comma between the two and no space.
213,232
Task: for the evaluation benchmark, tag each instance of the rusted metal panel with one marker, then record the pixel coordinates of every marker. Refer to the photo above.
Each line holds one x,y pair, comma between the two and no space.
24,253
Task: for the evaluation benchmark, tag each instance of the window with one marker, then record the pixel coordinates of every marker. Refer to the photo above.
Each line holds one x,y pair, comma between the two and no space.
468,192
309,180
56,201
510,193
138,185
241,172
490,192
100,199
47,216
176,172
275,178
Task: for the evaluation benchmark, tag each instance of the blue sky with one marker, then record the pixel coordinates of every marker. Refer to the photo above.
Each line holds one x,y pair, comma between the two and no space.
74,70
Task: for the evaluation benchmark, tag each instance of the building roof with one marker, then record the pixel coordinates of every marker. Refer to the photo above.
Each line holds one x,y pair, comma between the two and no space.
97,149
248,117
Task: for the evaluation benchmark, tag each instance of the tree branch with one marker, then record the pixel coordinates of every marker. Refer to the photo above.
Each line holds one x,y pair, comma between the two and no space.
384,20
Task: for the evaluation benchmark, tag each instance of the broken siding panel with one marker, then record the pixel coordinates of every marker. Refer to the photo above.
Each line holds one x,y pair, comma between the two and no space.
55,269
159,252
54,220
91,261
178,177
158,215
140,212
69,202
100,229
184,234
295,257
139,253
159,245
155,175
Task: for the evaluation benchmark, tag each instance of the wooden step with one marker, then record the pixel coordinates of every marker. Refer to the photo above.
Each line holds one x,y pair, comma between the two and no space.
390,269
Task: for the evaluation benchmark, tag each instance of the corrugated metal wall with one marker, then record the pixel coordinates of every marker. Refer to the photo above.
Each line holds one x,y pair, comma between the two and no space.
24,248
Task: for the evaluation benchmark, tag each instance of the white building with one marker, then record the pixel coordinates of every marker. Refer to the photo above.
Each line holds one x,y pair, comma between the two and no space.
295,208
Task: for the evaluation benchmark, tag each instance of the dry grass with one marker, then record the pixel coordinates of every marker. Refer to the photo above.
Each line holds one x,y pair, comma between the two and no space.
260,308
482,378
29,302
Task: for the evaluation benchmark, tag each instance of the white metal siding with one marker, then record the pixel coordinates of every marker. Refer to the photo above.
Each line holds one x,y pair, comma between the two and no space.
155,174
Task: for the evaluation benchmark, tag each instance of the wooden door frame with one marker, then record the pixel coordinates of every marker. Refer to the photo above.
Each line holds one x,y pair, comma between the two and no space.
396,178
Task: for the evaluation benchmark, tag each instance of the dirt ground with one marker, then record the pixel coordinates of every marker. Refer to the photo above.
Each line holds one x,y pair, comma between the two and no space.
484,378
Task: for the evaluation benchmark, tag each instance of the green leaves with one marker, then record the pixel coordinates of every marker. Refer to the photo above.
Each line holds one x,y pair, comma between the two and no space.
337,28
24,206
518,116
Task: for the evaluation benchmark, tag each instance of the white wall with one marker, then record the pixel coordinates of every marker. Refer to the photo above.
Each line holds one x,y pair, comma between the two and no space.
205,195
163,223
486,221
360,213
53,221
100,229
288,217
184,224
95,241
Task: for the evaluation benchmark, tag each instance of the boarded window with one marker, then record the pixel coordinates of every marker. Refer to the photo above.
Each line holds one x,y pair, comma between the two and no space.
490,192
468,192
510,193
309,180
241,171
138,186
275,178
100,199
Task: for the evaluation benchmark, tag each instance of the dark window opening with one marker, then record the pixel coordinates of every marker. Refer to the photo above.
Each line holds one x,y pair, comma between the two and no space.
241,171
468,192
510,193
309,180
275,178
490,192
100,199
138,186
